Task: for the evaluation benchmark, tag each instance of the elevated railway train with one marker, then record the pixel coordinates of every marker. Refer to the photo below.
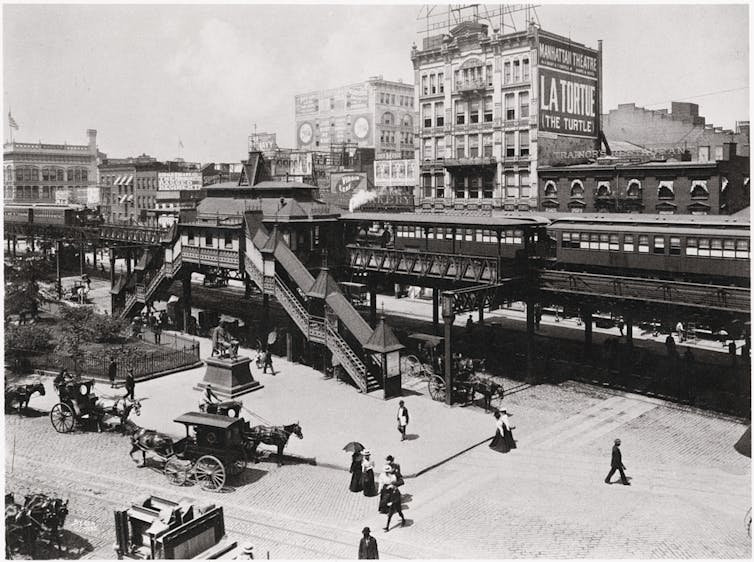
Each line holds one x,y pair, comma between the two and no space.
52,215
694,248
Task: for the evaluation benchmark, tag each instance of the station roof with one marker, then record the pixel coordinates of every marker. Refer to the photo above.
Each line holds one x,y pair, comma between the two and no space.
725,221
441,219
210,420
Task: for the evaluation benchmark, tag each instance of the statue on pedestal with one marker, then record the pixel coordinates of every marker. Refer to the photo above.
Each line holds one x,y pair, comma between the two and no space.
223,345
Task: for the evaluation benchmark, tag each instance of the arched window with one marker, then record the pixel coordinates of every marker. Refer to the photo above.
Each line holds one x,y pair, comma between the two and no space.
603,189
577,189
407,121
699,189
634,189
387,118
665,190
551,189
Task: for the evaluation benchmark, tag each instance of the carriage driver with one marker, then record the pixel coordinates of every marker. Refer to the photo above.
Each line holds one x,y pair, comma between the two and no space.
208,397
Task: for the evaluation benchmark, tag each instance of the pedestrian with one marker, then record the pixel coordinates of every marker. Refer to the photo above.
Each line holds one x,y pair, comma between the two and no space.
732,351
402,418
268,361
616,463
157,330
394,506
621,325
356,483
368,546
387,482
367,475
503,441
130,384
102,268
537,316
396,470
681,332
670,345
469,325
112,370
247,552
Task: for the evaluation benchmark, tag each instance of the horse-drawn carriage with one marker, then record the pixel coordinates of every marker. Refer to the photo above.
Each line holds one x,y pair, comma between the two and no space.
469,377
424,362
230,408
21,394
80,406
40,516
214,451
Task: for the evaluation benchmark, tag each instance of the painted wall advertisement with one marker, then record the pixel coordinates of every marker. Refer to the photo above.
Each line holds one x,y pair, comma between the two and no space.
347,182
172,181
357,97
307,104
291,164
395,172
568,89
263,142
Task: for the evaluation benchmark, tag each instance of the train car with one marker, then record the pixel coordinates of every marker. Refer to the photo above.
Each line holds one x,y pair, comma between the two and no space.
52,215
489,235
17,214
685,248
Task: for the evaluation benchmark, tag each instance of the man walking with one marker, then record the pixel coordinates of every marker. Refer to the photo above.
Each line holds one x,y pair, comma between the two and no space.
112,370
402,419
268,361
616,463
394,506
368,546
130,384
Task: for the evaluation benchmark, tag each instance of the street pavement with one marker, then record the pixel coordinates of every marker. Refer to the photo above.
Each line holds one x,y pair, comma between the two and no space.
546,499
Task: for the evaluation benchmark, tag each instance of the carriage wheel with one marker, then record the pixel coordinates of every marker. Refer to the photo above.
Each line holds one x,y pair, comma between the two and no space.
411,365
62,418
239,463
437,388
175,471
209,472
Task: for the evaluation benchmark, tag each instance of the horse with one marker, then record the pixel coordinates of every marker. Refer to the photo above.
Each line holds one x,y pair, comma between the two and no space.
487,388
21,393
49,513
275,435
150,440
121,408
20,529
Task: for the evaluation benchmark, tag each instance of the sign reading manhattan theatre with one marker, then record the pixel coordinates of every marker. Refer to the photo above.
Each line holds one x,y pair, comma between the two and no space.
568,88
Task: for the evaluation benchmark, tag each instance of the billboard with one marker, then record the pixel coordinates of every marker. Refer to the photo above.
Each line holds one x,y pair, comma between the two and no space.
395,173
307,104
171,181
291,164
264,142
357,96
347,182
568,89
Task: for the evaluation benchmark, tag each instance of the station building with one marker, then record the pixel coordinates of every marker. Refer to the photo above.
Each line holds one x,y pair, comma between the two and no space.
493,106
376,114
611,185
52,173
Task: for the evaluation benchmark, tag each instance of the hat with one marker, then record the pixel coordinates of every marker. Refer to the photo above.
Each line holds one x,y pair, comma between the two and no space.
248,548
366,452
389,458
617,441
387,468
503,411
366,530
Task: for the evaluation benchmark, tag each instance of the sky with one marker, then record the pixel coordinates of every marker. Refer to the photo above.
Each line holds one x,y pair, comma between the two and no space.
148,76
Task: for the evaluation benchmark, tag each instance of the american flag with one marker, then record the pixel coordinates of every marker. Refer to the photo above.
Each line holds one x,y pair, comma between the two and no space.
12,122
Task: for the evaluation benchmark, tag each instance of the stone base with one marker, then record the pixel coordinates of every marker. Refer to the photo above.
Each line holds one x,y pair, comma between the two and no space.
229,377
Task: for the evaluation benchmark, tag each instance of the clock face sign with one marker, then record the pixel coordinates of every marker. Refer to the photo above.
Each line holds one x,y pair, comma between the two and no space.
305,133
361,127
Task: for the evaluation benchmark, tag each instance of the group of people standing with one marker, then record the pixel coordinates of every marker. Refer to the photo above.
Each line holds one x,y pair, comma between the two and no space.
387,485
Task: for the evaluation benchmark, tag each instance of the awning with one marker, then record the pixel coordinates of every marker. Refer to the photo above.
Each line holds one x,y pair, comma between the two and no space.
130,198
122,198
128,181
119,180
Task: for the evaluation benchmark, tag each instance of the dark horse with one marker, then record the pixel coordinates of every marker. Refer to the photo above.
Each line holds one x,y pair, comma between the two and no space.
150,440
40,514
275,435
478,380
21,393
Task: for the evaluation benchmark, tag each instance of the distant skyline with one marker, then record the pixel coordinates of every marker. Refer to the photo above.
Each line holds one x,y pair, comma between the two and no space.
148,77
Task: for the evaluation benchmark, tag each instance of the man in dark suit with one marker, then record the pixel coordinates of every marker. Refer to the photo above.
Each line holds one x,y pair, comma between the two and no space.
617,464
368,546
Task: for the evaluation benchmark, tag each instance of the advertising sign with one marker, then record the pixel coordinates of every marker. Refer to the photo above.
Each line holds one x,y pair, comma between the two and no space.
568,89
307,104
395,173
357,97
347,182
291,164
173,181
263,142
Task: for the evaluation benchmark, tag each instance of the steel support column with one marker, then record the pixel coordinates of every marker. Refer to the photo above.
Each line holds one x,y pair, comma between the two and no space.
435,310
15,241
448,318
186,301
112,267
530,375
58,251
629,320
128,263
81,257
372,304
586,314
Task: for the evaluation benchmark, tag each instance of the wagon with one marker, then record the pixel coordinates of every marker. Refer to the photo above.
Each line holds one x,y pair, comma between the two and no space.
424,363
214,451
230,408
470,377
76,406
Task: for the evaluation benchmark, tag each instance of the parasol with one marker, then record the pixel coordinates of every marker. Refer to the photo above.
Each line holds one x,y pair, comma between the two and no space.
354,446
272,337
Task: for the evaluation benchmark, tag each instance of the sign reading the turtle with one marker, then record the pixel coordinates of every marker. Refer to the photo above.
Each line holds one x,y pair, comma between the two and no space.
361,128
305,133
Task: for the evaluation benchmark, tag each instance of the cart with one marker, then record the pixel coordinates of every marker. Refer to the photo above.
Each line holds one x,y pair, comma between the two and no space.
76,406
425,361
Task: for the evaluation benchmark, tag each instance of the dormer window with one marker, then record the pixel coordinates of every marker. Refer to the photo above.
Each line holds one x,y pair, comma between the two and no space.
633,190
665,190
603,189
551,189
577,189
699,189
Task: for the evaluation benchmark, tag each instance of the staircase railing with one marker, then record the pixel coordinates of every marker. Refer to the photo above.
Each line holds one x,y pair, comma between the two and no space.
347,358
145,291
292,305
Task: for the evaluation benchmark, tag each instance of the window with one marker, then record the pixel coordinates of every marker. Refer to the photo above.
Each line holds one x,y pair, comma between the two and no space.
439,114
716,248
551,189
516,70
474,111
507,72
643,244
510,144
432,84
460,147
565,240
699,189
704,247
691,247
523,142
729,248
332,103
665,190
510,108
523,102
525,65
460,112
473,146
427,115
614,243
658,245
511,187
718,153
190,239
427,188
634,189
742,248
487,145
488,109
441,82
603,189
488,71
428,149
425,85
208,240
475,185
675,246
488,186
577,189
460,191
440,148
387,118
228,240
703,154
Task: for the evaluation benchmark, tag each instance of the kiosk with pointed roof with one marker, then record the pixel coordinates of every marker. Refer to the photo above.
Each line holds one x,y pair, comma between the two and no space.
385,345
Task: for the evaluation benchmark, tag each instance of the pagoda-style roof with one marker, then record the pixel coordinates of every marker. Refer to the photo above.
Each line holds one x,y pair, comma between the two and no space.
324,285
383,339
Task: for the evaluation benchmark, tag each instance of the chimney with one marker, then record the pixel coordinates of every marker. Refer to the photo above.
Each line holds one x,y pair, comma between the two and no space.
92,136
729,150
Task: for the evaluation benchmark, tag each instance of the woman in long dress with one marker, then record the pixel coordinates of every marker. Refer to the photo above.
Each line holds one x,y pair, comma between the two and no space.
386,481
498,442
367,478
356,484
507,430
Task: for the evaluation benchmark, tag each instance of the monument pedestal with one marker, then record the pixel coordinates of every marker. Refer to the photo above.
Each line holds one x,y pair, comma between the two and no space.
229,377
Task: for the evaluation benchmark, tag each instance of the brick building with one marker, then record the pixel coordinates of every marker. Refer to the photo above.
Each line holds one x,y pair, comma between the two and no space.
681,129
662,187
52,173
482,129
376,114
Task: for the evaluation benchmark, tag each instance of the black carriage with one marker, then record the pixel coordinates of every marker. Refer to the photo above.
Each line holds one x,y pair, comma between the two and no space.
77,404
213,452
469,377
425,360
230,408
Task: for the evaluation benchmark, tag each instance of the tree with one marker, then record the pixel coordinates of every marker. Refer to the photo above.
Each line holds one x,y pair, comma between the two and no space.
81,325
23,293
